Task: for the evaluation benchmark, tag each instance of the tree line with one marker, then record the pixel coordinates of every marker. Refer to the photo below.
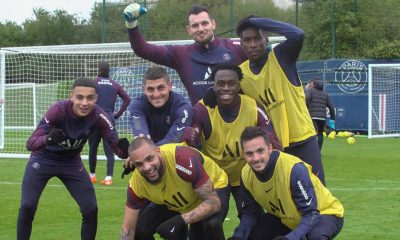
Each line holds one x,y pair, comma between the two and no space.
334,28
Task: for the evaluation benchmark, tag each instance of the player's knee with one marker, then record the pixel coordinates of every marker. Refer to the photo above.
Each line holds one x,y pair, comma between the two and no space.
212,224
316,234
28,209
142,233
90,211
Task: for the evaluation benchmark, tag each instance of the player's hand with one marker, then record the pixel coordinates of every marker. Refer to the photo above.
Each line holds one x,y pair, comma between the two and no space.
209,98
55,136
123,144
132,13
191,136
128,167
280,238
171,228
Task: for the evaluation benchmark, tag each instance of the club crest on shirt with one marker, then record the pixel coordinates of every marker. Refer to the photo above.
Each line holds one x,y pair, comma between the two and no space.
226,57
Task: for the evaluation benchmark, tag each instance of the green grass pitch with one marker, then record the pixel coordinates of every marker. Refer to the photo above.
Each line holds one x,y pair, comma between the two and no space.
364,177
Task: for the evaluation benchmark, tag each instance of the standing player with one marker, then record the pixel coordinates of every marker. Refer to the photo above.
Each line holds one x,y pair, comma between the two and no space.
270,77
186,187
107,91
192,62
160,113
219,128
298,206
56,145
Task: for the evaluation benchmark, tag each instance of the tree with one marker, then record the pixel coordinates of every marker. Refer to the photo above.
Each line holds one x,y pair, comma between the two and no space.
10,35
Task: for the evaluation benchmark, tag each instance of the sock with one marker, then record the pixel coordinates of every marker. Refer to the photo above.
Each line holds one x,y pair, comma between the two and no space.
92,174
108,178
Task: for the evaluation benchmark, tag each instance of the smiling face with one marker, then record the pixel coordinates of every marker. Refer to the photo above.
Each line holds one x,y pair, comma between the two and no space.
226,86
148,161
157,91
83,100
256,153
254,43
201,27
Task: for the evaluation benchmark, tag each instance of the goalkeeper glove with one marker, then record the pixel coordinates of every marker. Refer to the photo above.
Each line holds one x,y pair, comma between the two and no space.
123,144
171,228
55,136
131,14
331,124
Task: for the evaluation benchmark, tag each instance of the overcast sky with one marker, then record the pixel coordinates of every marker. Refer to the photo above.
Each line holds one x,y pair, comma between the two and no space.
19,10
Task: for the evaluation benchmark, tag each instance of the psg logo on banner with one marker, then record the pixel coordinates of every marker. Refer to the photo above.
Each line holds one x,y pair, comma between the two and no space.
351,76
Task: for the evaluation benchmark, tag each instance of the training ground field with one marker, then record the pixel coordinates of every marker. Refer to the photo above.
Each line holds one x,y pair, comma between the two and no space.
364,177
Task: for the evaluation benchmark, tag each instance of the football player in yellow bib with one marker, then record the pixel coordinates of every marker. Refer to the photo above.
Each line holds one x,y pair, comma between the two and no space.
298,206
183,186
270,77
218,128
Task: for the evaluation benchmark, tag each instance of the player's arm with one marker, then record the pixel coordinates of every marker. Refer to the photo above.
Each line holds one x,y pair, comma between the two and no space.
192,159
251,210
294,35
191,135
137,118
110,135
126,100
264,122
303,195
131,215
181,118
47,132
159,54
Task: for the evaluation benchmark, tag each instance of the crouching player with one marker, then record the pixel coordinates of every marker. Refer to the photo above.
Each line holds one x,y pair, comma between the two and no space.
297,204
56,145
184,187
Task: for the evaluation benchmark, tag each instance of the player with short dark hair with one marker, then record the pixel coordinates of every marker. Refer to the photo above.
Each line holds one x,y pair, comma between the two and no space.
55,147
193,62
185,187
107,90
297,205
270,77
160,113
218,128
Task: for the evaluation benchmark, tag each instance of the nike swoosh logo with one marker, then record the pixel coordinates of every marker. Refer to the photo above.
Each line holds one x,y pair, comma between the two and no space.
45,119
179,128
268,190
190,163
135,116
309,202
172,230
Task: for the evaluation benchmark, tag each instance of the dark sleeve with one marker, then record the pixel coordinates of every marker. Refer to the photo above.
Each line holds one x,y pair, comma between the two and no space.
182,117
201,120
133,201
308,93
303,195
265,123
109,134
294,35
331,107
155,53
137,118
50,120
126,100
189,166
251,210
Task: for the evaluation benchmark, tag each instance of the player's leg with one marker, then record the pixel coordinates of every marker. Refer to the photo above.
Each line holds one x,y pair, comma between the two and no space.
77,181
35,179
308,151
110,163
268,227
212,227
320,130
94,141
150,218
328,227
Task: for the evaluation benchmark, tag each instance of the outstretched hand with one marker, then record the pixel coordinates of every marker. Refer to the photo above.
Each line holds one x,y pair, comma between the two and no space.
55,136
